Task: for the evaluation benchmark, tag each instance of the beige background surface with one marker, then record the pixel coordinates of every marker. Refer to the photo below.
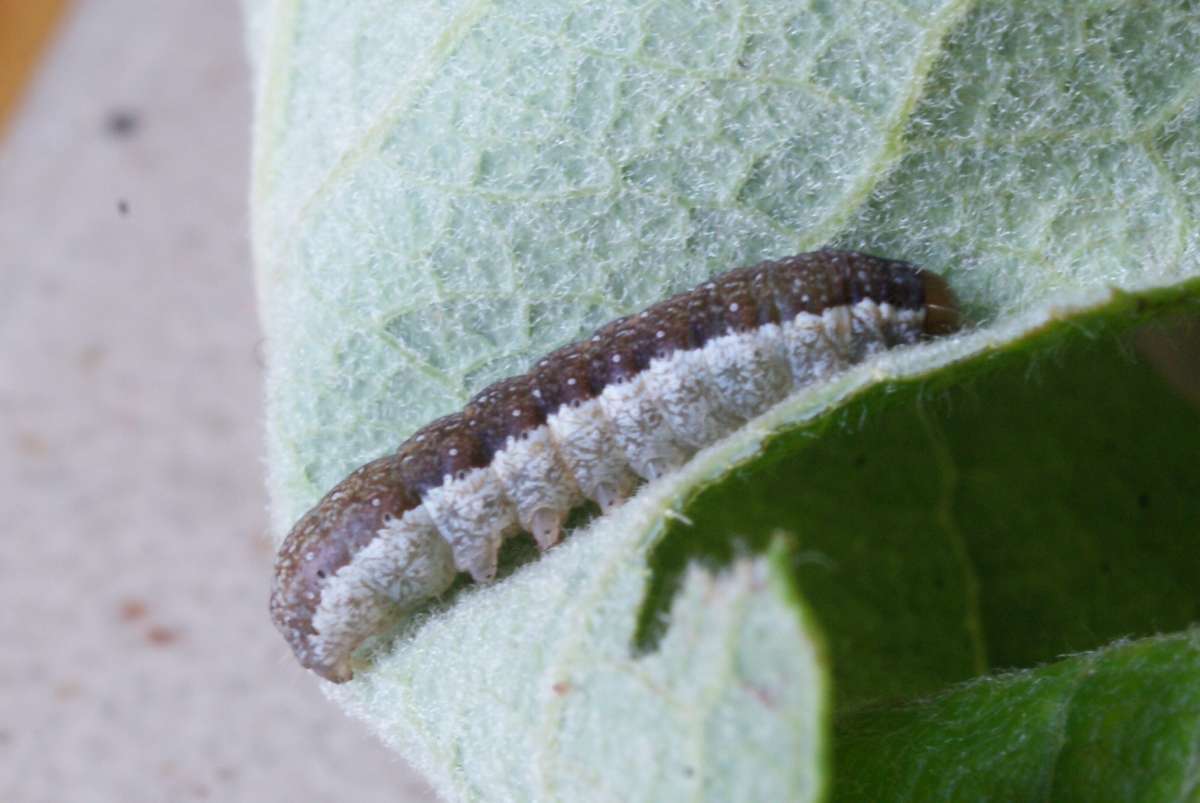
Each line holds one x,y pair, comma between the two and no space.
138,661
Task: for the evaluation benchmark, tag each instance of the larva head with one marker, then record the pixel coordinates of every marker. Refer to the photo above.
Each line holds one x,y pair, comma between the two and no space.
314,567
942,315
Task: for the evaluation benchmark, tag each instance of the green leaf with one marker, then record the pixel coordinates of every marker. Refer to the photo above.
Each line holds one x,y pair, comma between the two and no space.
445,191
1115,724
1039,500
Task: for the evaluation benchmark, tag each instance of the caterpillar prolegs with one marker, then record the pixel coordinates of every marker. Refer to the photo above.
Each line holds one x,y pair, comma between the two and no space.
589,421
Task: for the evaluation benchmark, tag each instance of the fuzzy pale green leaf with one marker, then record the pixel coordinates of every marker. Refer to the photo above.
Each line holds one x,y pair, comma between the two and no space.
444,191
733,706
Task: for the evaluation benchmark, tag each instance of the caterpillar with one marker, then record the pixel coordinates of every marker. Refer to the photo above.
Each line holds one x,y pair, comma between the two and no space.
589,421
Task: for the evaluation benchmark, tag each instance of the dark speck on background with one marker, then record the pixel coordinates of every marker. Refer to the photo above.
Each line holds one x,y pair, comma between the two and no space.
122,207
160,636
31,444
91,356
132,609
121,123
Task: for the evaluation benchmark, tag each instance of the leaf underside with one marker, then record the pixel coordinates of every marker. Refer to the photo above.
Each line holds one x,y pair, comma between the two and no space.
445,191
